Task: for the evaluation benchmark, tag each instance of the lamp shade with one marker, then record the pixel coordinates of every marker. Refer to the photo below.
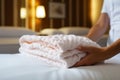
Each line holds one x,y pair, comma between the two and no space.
40,12
22,13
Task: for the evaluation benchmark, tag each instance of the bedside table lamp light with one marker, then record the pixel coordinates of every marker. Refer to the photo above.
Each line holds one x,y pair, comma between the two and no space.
40,12
22,13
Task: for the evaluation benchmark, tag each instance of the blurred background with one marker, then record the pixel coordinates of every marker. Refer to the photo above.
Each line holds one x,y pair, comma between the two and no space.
40,14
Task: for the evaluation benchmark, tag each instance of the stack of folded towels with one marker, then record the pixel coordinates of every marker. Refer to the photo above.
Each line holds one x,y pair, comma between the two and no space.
57,50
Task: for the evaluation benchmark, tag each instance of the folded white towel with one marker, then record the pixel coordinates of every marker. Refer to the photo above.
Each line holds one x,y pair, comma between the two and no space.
59,50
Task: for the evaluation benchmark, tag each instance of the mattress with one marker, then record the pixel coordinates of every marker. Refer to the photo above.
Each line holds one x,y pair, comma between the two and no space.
22,67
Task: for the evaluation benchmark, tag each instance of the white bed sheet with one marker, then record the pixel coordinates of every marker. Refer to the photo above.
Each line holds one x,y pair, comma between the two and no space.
21,67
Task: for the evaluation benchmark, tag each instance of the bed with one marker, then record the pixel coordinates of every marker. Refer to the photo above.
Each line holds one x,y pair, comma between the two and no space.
9,38
23,67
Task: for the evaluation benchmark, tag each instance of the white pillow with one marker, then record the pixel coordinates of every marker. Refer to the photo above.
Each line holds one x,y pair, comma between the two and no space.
50,31
14,32
75,30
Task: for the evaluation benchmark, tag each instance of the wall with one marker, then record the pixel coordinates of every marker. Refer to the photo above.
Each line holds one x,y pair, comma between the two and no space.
6,12
78,13
75,15
0,13
10,13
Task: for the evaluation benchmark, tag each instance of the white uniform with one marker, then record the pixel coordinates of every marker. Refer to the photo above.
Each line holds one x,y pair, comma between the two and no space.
112,8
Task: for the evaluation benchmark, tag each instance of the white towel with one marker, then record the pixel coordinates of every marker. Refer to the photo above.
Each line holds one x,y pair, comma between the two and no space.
58,50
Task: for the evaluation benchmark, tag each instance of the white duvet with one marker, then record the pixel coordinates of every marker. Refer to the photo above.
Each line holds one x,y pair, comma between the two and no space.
21,67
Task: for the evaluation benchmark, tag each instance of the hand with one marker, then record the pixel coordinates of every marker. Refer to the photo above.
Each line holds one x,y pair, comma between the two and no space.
94,55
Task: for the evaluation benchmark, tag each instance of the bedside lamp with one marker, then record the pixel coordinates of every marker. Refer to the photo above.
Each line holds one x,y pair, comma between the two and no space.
22,13
40,12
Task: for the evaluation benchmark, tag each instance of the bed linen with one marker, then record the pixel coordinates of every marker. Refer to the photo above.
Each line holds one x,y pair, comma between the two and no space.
22,67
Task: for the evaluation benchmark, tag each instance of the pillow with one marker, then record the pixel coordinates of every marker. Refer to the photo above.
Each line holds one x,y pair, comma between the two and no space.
75,30
50,31
14,32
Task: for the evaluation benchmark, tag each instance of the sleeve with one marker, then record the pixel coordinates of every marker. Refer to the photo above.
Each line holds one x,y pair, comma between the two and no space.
105,7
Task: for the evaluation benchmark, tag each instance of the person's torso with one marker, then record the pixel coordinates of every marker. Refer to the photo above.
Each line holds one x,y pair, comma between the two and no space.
114,11
114,14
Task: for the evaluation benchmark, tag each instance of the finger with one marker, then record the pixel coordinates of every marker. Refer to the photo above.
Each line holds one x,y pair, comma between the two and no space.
86,62
82,62
88,49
